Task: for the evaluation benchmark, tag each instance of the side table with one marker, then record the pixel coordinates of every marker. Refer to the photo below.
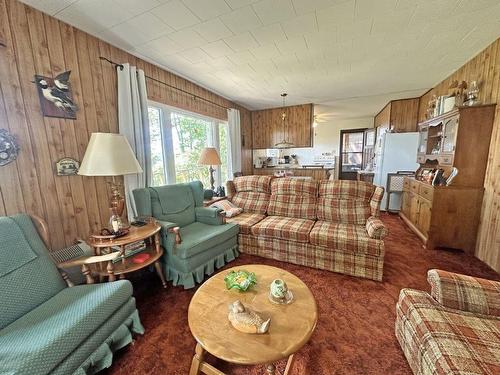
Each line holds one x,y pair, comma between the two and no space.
150,233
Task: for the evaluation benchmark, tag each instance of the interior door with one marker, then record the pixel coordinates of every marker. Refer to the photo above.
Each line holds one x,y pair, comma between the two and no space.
351,153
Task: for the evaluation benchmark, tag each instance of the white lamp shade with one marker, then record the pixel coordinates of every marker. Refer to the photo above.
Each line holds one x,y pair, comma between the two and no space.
209,156
108,154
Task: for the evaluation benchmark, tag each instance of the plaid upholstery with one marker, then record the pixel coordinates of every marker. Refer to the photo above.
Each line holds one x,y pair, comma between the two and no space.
293,198
245,220
227,207
259,184
345,201
375,200
306,254
252,193
345,237
376,228
465,293
438,340
286,228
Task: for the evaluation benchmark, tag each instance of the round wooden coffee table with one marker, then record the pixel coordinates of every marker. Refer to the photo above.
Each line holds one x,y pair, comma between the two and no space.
291,325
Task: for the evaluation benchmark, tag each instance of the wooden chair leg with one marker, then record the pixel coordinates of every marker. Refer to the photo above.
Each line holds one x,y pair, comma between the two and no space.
289,364
199,355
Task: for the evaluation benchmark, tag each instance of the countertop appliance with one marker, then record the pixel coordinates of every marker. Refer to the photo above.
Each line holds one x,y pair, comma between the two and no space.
395,152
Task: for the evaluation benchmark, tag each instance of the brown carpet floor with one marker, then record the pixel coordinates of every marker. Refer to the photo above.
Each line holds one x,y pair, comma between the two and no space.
355,332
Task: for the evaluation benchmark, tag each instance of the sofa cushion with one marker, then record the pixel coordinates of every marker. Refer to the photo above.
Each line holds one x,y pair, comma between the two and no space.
292,197
198,237
252,193
52,331
346,237
344,201
245,220
287,228
437,340
258,184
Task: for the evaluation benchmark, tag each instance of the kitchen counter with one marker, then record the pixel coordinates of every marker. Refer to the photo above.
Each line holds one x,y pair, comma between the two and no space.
292,166
316,173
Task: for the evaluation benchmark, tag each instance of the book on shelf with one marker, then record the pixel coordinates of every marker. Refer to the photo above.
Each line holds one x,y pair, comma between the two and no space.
130,249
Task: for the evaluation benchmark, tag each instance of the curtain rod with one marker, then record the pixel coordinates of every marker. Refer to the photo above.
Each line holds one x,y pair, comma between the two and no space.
168,85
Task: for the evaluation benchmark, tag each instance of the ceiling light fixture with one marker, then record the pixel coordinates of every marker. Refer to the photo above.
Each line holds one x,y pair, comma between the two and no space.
284,143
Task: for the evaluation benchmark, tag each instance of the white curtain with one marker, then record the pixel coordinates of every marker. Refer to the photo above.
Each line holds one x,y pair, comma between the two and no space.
234,130
133,123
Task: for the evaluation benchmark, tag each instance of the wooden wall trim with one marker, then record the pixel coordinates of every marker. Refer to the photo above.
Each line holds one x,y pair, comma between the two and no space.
36,43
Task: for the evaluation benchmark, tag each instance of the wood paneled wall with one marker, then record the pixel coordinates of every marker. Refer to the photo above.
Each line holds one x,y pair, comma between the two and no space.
485,68
39,44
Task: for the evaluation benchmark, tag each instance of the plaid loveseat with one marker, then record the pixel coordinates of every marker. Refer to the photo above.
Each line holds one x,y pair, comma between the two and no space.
330,225
455,329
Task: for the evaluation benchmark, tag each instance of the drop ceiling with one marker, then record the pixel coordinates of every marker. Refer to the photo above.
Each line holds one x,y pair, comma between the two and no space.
348,56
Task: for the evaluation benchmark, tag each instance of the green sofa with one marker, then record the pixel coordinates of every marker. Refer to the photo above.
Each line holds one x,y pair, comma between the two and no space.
207,242
47,327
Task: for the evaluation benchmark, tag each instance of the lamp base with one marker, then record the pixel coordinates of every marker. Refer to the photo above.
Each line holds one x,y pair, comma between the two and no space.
212,180
116,201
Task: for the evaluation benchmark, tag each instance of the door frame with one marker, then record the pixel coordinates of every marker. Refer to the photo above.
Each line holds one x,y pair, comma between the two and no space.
352,175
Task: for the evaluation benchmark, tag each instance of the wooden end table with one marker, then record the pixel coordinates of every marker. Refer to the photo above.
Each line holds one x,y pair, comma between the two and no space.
291,325
150,233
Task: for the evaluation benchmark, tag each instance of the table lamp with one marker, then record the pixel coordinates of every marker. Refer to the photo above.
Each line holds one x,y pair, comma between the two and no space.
209,156
110,154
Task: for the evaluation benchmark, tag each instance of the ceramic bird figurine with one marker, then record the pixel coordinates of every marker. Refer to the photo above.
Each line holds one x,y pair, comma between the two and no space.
246,320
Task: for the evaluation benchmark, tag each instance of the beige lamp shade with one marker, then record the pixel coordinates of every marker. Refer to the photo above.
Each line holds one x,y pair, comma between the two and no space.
108,154
209,156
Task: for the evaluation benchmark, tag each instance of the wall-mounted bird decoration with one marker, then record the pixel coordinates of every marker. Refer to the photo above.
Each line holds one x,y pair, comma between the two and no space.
55,96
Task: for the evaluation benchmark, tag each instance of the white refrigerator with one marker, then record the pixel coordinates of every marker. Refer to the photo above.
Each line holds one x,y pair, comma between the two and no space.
394,152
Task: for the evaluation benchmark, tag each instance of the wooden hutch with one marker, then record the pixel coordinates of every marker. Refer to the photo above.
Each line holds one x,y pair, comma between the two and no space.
448,216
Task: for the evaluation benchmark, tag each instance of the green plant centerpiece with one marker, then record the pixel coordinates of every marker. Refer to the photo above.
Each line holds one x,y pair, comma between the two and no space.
240,280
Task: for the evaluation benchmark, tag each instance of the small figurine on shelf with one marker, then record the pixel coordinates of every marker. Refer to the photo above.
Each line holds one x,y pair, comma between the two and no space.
473,94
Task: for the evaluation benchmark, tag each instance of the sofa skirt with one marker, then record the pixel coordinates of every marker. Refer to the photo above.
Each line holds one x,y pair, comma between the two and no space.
306,254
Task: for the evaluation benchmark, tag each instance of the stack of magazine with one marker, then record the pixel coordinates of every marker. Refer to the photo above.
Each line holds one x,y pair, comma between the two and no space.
130,249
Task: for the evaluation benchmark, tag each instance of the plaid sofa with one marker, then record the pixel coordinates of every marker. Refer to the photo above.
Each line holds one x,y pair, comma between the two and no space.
455,329
330,225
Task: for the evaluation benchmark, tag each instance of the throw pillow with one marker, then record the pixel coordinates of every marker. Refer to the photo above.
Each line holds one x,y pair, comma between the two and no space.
229,209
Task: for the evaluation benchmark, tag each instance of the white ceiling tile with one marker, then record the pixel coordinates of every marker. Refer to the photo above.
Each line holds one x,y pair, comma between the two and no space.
213,30
220,62
370,8
217,49
141,29
342,13
321,40
265,51
241,42
194,55
241,20
49,6
300,25
271,11
206,10
235,4
164,45
176,15
94,15
244,57
187,38
292,45
268,34
306,6
137,7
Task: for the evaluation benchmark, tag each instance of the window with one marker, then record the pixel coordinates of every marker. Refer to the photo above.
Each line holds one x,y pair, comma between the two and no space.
177,139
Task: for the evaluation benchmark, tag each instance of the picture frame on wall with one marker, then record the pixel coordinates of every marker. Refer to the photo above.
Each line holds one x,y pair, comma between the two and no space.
67,167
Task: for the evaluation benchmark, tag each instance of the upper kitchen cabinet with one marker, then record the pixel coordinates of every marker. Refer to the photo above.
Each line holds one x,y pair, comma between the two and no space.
267,126
399,116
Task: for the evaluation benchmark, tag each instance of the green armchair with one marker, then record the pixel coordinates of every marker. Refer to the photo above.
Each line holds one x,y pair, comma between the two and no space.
196,239
47,327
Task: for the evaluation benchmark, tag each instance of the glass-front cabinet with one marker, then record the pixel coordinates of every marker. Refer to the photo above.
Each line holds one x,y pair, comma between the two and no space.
450,135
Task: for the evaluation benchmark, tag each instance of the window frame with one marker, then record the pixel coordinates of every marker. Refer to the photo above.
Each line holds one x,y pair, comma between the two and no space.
167,139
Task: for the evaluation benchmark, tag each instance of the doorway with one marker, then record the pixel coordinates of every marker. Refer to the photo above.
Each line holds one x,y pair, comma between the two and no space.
351,153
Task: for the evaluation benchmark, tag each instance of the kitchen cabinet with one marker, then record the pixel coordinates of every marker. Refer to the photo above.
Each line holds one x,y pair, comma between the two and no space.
267,126
399,116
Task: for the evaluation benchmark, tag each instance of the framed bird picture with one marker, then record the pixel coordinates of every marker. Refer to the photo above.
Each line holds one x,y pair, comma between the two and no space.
56,99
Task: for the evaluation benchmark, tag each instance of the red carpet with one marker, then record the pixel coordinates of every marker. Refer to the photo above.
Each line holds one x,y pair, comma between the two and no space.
355,332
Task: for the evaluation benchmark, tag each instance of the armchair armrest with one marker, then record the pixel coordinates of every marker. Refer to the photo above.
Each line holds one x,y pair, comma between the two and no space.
209,215
376,228
230,190
84,262
171,231
375,201
466,293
